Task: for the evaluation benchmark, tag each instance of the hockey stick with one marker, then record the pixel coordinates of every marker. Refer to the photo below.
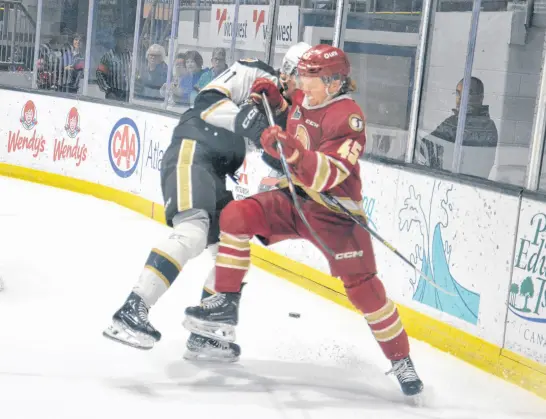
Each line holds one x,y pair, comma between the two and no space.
291,186
332,200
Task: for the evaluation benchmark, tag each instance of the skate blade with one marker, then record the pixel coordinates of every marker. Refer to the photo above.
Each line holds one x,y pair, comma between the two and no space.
418,400
213,330
210,356
122,334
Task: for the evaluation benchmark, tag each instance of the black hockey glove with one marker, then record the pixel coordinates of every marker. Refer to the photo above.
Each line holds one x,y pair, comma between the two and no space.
250,123
272,162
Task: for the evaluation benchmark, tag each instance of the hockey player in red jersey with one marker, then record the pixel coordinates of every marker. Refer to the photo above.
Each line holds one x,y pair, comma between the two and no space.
207,144
322,142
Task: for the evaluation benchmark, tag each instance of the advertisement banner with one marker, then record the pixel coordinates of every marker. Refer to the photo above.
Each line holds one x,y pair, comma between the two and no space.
526,321
157,137
251,30
460,235
35,136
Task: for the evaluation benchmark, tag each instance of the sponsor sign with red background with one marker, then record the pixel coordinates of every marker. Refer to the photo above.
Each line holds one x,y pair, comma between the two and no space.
251,29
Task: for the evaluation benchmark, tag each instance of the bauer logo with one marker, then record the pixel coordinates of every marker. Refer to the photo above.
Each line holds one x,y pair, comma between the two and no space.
124,147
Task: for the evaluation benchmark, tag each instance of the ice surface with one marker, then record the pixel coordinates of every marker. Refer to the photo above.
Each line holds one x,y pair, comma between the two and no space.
70,260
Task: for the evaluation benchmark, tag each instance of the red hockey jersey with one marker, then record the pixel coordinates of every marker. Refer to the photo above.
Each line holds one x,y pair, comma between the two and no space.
334,137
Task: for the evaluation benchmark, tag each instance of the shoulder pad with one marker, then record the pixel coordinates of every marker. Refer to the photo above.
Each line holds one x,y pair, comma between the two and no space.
255,63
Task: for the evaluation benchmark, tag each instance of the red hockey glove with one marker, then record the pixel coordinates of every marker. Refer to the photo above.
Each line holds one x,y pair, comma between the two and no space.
263,85
293,149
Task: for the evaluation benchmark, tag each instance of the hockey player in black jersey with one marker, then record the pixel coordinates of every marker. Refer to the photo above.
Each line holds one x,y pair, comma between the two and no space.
207,145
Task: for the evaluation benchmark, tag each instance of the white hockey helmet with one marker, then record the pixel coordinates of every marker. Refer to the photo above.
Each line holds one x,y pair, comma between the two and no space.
292,56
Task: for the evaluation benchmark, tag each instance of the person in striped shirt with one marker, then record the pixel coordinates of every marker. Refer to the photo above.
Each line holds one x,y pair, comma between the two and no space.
114,70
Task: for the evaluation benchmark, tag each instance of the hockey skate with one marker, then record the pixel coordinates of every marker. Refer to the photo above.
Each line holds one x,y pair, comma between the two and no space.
216,317
131,326
405,372
200,348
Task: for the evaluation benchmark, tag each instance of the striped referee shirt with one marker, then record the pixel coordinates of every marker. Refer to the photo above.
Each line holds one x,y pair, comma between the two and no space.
114,71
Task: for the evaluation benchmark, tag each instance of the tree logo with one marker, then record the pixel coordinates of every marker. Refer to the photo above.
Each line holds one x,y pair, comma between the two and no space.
520,296
527,300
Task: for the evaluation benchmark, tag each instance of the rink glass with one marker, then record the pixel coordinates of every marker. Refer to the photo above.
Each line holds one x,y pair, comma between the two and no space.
56,46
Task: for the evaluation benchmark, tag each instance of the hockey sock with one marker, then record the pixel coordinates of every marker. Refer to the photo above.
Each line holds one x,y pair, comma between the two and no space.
239,221
232,262
208,288
369,296
166,260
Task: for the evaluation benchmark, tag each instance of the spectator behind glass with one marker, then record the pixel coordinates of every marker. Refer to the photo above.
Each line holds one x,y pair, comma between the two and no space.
73,61
480,131
114,70
154,75
219,65
179,71
194,66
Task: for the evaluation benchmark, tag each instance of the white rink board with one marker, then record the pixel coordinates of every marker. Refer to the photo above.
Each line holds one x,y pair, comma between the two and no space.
460,236
123,150
158,134
526,322
111,136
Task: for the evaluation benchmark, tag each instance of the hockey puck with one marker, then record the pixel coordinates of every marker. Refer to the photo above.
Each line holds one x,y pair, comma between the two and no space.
295,315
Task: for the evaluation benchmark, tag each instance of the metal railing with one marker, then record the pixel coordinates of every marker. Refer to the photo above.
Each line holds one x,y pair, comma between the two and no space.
17,35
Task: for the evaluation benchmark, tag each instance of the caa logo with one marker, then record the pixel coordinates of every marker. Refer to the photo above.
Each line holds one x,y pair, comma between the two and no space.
330,54
124,147
349,255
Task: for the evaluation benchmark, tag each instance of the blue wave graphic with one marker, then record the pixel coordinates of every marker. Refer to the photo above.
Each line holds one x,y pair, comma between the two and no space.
465,304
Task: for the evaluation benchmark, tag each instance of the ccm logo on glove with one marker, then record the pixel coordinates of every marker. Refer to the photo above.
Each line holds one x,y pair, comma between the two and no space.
250,117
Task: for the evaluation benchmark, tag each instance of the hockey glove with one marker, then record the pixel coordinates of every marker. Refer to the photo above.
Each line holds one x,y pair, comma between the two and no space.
293,149
250,123
263,85
272,162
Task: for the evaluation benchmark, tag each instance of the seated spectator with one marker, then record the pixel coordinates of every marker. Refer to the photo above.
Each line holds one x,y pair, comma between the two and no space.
480,136
154,74
194,66
179,71
219,65
73,64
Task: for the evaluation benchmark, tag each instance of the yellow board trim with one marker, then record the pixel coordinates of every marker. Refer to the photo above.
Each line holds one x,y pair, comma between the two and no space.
503,363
